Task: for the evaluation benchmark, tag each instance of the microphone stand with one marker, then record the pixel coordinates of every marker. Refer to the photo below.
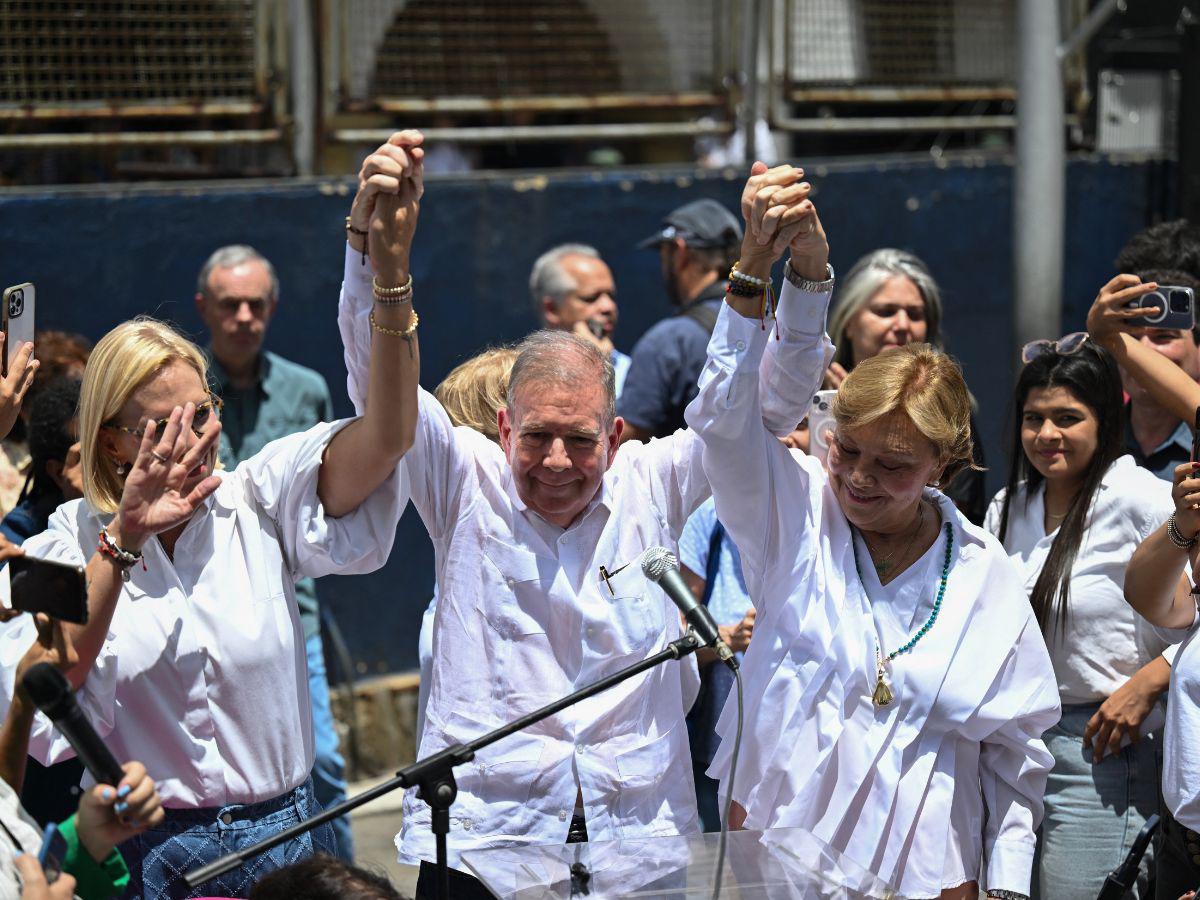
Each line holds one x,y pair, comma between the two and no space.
434,775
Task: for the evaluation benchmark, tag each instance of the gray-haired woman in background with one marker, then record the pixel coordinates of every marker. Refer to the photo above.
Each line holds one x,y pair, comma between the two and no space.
889,299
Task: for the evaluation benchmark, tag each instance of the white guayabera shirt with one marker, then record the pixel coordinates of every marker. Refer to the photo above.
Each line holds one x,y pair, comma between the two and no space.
955,767
203,676
523,619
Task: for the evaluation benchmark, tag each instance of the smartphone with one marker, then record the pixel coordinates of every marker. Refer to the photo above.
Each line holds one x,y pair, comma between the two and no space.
53,852
19,302
1196,436
1176,308
40,586
820,421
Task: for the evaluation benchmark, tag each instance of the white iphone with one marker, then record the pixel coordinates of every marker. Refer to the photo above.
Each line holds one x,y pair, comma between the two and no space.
19,302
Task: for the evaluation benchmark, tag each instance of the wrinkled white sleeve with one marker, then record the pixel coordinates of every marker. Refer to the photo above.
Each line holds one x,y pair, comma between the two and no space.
354,307
97,696
761,492
673,468
282,478
1014,762
788,375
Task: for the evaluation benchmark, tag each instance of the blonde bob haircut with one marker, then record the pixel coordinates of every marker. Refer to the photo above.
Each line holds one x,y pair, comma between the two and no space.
924,384
125,359
475,391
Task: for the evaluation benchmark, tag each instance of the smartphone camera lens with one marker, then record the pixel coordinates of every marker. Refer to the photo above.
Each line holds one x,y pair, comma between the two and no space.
1179,302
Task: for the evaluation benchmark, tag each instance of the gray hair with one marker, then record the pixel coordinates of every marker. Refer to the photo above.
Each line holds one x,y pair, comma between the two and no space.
548,278
563,359
864,281
230,256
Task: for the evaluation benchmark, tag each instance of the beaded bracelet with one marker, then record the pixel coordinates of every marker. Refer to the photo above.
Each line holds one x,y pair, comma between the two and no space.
1176,536
125,559
742,289
405,333
391,296
362,234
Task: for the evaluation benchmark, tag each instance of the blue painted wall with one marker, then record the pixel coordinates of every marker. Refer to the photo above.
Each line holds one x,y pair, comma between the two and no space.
99,256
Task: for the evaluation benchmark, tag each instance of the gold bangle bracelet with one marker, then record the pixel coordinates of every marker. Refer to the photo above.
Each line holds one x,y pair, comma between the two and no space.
405,333
385,292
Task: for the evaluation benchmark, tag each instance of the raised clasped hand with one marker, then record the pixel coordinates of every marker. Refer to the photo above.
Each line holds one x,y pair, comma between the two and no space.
1111,311
384,171
153,500
779,214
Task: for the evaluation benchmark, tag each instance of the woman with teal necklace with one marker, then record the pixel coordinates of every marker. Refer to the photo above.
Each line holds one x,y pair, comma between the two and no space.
897,685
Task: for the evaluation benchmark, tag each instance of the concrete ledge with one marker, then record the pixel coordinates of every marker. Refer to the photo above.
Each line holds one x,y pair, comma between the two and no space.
377,724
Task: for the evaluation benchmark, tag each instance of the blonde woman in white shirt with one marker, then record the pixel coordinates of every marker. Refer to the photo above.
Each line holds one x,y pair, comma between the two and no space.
193,658
897,686
1071,516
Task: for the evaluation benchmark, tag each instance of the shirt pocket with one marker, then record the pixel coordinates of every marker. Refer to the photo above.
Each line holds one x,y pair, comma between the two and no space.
517,590
516,606
637,614
644,781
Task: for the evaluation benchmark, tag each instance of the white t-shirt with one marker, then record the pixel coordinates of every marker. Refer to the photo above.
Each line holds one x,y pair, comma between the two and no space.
1105,640
1181,742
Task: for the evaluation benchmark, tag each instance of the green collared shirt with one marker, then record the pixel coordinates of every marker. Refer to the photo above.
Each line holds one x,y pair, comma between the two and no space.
284,399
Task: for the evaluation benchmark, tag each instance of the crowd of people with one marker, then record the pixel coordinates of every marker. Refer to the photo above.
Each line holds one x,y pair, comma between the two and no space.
960,697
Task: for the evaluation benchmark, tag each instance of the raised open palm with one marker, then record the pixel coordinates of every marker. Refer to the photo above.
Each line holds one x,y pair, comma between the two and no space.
152,502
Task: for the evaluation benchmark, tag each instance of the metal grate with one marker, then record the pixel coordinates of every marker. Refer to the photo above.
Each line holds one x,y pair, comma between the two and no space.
134,53
453,54
901,43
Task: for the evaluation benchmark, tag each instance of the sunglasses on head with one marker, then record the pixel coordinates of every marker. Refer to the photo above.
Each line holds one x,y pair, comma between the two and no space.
1066,345
199,419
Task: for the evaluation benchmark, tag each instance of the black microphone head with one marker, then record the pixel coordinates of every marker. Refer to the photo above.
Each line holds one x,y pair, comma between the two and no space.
656,561
48,689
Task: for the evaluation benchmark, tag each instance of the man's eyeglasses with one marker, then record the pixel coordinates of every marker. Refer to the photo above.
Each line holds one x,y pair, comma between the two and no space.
1065,346
204,412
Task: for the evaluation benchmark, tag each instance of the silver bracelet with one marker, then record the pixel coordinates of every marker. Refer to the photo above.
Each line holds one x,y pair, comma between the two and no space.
807,284
1007,895
1176,536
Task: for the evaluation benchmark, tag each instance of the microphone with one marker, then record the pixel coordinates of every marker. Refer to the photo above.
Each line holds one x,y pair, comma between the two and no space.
51,693
660,566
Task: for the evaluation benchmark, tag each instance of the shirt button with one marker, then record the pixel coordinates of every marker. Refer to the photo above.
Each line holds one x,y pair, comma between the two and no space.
467,824
562,815
579,748
510,581
590,631
741,345
227,818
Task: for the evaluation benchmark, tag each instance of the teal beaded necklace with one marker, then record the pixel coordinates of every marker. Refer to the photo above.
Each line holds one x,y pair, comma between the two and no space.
882,695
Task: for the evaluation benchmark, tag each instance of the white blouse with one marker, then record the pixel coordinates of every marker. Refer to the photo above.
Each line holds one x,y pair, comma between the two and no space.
202,676
1105,641
955,767
1181,739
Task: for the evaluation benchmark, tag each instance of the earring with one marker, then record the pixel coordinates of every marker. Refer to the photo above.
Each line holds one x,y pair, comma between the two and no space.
122,468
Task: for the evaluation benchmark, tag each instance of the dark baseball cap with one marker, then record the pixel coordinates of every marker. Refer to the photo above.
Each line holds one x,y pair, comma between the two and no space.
704,224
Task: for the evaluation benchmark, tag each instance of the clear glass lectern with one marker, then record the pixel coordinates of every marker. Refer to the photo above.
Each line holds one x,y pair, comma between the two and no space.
780,863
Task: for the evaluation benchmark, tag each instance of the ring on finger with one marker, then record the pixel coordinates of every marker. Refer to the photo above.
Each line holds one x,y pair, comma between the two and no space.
158,456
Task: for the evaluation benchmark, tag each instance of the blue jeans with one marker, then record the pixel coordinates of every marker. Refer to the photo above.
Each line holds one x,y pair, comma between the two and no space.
1093,812
329,768
159,857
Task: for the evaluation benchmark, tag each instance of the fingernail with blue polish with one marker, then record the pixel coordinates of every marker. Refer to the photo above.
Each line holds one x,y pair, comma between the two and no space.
107,794
124,791
120,807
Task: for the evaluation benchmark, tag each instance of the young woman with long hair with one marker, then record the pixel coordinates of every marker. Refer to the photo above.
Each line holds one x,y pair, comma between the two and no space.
1070,517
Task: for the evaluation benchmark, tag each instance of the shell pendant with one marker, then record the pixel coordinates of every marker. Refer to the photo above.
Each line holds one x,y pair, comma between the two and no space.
883,693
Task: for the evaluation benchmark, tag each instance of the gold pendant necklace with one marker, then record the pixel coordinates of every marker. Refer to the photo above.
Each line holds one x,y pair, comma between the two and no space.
883,691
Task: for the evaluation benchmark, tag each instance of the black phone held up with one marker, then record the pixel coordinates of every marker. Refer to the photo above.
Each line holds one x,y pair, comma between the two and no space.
41,586
1196,436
